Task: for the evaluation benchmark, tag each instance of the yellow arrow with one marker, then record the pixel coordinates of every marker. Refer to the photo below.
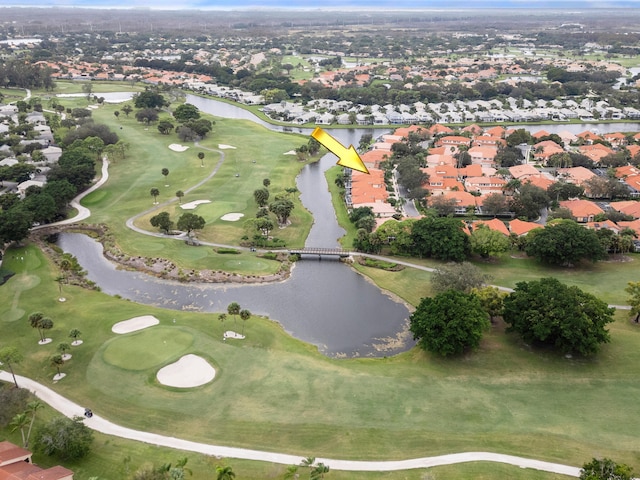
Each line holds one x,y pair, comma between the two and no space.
347,157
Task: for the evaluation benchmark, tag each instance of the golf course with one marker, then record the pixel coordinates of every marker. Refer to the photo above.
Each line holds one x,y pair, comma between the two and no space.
273,392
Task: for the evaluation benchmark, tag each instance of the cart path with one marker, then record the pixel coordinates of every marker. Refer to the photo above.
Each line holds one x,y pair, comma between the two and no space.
99,424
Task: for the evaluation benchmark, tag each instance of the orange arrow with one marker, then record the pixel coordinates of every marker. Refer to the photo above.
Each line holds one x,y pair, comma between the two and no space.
347,157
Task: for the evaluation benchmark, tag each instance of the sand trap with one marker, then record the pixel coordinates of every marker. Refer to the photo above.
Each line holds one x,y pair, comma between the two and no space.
45,341
190,371
134,324
291,152
176,147
222,146
232,334
59,376
232,217
193,205
75,343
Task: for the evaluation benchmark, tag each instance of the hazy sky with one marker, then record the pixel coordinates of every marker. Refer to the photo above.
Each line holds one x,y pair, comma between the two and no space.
368,4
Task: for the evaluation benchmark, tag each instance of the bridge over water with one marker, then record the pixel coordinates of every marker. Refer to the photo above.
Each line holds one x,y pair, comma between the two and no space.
332,252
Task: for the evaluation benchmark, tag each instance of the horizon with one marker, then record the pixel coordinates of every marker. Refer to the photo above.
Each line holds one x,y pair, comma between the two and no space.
373,5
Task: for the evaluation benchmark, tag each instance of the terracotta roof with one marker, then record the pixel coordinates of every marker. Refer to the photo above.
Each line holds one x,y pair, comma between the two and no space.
577,175
539,181
581,208
633,225
628,207
626,171
519,171
520,227
493,224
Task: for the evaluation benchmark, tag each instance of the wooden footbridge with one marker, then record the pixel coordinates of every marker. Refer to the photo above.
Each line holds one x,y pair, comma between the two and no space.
331,252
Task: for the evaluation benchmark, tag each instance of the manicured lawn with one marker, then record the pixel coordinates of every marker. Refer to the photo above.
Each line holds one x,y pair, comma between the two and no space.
274,392
505,397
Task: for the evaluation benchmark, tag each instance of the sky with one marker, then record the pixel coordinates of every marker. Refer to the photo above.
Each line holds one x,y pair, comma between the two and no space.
316,4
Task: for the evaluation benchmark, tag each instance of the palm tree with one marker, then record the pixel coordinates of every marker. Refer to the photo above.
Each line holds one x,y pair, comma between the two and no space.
222,317
65,266
34,321
32,408
319,471
308,462
179,194
10,356
63,348
225,473
56,361
20,421
233,309
292,472
154,193
45,324
165,172
201,157
244,315
75,333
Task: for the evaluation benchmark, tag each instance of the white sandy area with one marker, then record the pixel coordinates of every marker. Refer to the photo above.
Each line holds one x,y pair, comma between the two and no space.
222,146
190,371
134,324
232,217
290,152
232,334
193,205
176,147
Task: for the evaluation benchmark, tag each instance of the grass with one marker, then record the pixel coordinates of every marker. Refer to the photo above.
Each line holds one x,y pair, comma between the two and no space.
340,208
505,398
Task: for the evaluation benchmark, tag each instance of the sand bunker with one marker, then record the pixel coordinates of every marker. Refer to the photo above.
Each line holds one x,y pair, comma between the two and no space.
194,204
176,147
290,152
222,146
134,324
232,217
190,371
232,334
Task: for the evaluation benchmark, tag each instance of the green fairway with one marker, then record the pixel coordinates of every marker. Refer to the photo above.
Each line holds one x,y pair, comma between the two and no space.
146,349
505,398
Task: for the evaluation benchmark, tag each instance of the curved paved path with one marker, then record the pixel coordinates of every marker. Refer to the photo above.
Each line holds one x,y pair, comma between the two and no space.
70,409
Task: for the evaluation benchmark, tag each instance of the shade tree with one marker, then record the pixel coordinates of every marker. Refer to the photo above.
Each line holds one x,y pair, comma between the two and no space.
550,313
633,289
441,238
450,323
64,438
462,277
189,222
564,242
605,469
487,242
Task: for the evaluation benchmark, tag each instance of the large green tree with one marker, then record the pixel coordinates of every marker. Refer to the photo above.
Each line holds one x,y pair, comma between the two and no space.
633,289
162,221
605,469
462,277
189,222
488,243
450,323
548,312
65,438
440,238
150,98
186,112
564,242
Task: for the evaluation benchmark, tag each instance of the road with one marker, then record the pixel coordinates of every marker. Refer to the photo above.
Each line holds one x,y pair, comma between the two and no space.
100,424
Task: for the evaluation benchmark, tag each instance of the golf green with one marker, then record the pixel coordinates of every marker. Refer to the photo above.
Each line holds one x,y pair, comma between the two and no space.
148,348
